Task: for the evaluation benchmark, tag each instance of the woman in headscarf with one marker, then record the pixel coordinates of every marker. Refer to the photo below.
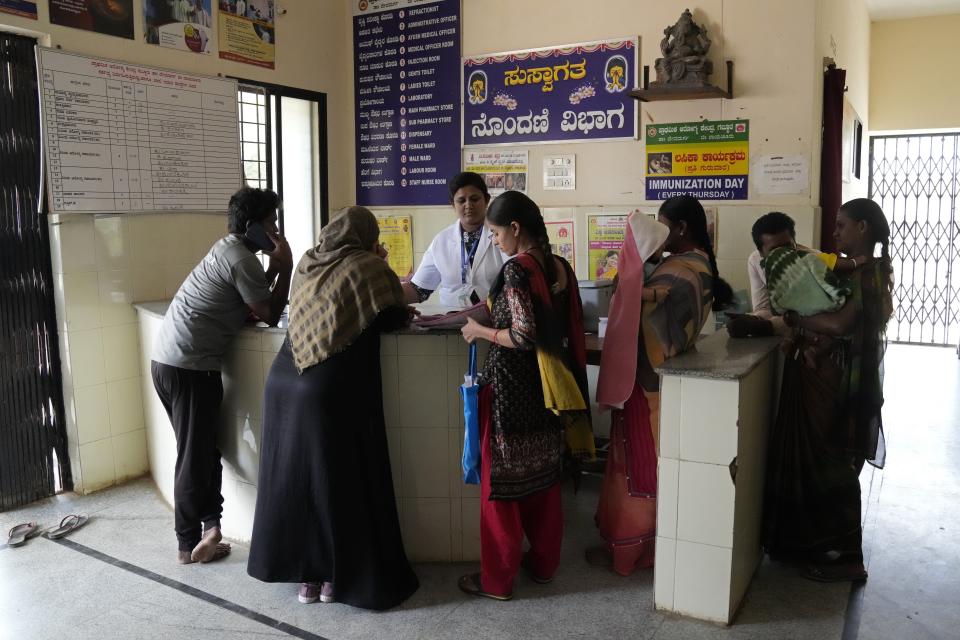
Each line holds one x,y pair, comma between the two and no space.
829,421
533,397
326,514
640,337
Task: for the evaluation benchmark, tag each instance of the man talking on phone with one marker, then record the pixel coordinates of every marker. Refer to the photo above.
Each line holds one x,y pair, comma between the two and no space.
208,310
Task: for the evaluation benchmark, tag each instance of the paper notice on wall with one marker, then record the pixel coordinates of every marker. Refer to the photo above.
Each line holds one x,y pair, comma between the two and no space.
562,243
396,235
560,173
782,174
502,170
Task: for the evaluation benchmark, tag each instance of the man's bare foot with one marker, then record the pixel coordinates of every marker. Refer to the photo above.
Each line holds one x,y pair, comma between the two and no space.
210,547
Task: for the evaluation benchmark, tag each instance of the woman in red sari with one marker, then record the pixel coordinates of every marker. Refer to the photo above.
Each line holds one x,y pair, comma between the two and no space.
533,393
685,286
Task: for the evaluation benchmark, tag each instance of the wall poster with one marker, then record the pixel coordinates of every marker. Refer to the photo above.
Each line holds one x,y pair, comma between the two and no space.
180,24
247,32
562,241
406,57
501,170
22,8
605,236
396,235
111,17
706,160
558,94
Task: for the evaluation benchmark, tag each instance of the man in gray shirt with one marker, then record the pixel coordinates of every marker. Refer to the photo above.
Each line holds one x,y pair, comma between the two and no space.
208,310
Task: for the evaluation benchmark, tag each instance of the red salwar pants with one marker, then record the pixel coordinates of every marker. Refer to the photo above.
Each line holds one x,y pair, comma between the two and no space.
503,523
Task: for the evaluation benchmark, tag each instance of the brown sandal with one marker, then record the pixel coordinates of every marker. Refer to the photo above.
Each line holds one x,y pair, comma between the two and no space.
470,584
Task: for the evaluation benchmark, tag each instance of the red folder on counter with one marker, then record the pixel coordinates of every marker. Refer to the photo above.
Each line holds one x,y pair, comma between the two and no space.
455,319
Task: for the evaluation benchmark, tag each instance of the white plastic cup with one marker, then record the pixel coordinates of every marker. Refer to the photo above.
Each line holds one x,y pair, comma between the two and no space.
602,327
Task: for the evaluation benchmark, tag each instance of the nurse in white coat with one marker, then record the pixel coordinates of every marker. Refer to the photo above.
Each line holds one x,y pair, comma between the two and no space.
461,262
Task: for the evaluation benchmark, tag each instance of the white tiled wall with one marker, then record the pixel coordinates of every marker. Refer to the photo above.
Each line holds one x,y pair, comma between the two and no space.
708,526
101,266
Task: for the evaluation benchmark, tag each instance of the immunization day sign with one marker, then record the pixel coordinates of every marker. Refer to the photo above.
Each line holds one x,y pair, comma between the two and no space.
559,94
706,160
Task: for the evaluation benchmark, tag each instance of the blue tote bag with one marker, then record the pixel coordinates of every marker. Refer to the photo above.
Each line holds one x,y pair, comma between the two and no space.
470,393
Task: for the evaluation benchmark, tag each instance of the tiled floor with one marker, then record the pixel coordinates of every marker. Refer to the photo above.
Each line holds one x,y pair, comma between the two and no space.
51,590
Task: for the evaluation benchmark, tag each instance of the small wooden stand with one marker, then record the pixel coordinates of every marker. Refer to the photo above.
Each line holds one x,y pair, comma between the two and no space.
681,92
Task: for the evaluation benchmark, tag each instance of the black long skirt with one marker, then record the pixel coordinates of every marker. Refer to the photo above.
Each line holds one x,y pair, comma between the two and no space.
325,502
812,501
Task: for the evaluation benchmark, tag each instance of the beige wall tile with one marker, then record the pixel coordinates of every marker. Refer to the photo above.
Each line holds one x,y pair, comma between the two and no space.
97,465
664,570
113,242
85,350
130,454
705,504
125,403
424,391
702,581
116,297
426,463
92,413
426,529
81,299
121,352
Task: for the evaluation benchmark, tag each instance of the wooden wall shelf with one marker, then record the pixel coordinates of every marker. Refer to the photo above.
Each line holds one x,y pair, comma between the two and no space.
681,92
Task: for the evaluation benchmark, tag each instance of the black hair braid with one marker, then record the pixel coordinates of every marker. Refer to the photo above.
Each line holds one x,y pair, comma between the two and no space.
722,291
543,241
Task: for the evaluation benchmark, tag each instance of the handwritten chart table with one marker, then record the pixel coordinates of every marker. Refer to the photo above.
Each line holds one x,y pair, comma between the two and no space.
125,138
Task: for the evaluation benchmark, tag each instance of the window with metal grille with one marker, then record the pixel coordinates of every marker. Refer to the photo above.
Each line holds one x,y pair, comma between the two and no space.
254,143
914,178
283,137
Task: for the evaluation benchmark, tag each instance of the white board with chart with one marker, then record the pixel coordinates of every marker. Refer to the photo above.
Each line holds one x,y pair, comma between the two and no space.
126,138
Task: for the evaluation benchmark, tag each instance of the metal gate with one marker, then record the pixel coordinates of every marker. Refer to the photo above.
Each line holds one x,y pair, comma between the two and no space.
915,179
33,436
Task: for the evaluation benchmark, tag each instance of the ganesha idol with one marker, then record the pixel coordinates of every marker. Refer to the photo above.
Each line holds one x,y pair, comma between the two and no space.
684,47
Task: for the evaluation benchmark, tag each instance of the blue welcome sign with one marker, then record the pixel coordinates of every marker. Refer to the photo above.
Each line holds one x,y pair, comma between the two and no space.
559,94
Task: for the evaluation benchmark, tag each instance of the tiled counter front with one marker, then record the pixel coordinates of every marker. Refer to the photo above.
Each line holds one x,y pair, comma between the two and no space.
717,405
440,516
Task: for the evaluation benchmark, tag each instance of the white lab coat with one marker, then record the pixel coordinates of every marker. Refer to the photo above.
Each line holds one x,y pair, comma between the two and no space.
439,270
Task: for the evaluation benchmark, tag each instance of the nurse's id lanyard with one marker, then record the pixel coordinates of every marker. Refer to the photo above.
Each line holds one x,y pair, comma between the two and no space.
466,257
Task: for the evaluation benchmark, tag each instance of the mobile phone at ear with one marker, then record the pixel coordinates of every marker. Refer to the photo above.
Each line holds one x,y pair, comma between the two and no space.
258,237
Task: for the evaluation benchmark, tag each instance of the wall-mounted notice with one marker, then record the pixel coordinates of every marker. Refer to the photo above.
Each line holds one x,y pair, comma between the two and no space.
22,8
706,160
247,31
557,94
605,236
562,242
396,234
112,17
183,24
407,110
122,137
560,173
501,170
782,174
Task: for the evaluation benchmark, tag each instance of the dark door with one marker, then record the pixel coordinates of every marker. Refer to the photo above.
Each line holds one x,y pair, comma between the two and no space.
33,439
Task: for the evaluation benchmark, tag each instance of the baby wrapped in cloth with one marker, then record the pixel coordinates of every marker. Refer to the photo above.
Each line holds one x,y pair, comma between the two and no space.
803,281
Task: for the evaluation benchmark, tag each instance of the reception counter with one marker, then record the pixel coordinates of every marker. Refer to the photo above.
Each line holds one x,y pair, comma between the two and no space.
716,405
439,515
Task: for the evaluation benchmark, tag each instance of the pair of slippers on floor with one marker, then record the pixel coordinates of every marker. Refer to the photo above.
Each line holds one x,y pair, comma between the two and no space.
23,532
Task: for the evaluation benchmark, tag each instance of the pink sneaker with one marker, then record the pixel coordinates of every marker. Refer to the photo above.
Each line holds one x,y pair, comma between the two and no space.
309,592
326,592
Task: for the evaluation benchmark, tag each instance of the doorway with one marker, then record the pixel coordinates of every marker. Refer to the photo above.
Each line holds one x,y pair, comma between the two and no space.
33,439
914,178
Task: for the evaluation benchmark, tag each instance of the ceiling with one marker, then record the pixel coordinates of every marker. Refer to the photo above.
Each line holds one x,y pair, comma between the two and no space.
897,9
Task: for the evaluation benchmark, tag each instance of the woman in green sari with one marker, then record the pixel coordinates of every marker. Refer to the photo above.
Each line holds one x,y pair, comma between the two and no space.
829,420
